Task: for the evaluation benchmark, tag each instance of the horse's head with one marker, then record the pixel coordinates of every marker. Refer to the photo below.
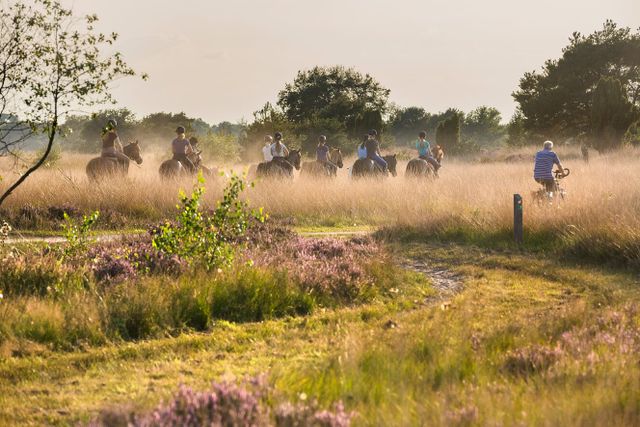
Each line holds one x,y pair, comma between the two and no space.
392,162
294,158
335,155
132,151
439,153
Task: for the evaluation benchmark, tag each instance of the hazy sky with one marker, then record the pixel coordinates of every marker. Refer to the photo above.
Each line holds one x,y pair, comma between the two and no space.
222,60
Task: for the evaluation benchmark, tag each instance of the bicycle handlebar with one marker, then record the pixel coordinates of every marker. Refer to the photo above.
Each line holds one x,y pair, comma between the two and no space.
562,173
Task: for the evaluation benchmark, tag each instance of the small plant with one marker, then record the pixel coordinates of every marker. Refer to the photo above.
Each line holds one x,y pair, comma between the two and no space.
77,235
207,240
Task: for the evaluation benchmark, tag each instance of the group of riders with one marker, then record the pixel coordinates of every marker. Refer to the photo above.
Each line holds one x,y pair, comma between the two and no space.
275,152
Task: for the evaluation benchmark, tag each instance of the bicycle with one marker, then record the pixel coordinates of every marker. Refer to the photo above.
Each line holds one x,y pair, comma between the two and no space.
543,196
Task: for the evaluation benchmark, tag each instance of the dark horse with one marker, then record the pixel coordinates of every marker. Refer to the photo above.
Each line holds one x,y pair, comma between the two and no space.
319,170
280,168
420,168
102,166
172,168
364,168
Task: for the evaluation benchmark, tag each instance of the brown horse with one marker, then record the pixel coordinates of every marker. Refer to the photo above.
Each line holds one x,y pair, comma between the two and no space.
100,167
172,168
367,168
420,168
319,170
280,168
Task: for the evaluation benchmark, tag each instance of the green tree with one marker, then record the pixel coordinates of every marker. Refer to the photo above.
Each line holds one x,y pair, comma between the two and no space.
405,123
481,127
58,64
611,115
159,129
556,102
82,133
448,134
516,133
357,100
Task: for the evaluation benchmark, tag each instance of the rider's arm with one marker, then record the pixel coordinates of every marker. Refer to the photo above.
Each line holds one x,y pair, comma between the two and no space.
118,145
286,151
189,149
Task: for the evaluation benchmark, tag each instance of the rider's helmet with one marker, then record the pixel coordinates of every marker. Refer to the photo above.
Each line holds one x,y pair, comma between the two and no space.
277,136
268,138
373,132
322,138
548,145
180,129
422,134
112,124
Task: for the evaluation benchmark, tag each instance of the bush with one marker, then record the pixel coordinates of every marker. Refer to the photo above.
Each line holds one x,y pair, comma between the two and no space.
254,295
206,240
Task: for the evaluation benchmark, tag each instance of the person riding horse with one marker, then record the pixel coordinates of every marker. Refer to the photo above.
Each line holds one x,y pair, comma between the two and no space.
424,151
322,155
181,147
279,151
266,149
111,145
373,150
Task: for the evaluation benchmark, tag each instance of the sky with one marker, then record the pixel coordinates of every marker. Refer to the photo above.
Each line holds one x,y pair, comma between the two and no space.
222,60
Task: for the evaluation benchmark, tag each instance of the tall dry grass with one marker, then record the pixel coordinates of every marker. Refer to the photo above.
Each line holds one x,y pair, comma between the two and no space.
471,198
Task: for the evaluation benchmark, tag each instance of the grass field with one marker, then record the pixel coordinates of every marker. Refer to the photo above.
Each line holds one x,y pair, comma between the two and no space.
543,334
525,342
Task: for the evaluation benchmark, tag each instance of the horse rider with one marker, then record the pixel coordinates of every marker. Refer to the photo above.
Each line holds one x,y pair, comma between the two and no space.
424,150
543,167
373,150
362,148
322,155
266,150
279,151
181,147
111,145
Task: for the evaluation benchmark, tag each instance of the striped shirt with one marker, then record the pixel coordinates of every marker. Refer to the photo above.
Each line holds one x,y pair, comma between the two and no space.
545,160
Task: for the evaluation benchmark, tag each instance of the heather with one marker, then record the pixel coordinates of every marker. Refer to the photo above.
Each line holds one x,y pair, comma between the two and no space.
229,404
134,290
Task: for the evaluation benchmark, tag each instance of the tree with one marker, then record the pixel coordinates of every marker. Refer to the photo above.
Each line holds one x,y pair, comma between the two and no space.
55,67
611,115
405,123
82,132
556,102
448,133
516,133
340,93
160,128
482,126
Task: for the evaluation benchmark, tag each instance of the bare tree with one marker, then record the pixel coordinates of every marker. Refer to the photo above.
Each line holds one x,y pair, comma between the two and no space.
51,62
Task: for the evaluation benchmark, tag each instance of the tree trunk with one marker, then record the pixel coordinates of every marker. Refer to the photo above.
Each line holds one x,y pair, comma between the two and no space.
52,134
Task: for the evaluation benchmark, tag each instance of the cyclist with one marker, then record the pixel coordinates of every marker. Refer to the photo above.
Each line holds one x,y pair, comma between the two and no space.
543,167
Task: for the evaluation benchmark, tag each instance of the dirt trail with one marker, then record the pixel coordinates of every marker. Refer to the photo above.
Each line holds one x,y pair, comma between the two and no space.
446,282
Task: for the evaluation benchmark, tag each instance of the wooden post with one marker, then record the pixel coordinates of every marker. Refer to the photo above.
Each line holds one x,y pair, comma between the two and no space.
518,228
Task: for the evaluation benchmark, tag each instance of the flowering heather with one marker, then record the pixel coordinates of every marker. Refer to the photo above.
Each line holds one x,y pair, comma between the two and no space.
118,261
289,415
531,360
228,405
323,267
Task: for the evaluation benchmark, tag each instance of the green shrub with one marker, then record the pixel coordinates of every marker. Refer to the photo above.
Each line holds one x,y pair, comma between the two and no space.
254,295
207,240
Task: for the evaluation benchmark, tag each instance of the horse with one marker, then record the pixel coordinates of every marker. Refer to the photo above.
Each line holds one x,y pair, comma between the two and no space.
102,166
280,168
319,170
172,168
364,168
420,168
